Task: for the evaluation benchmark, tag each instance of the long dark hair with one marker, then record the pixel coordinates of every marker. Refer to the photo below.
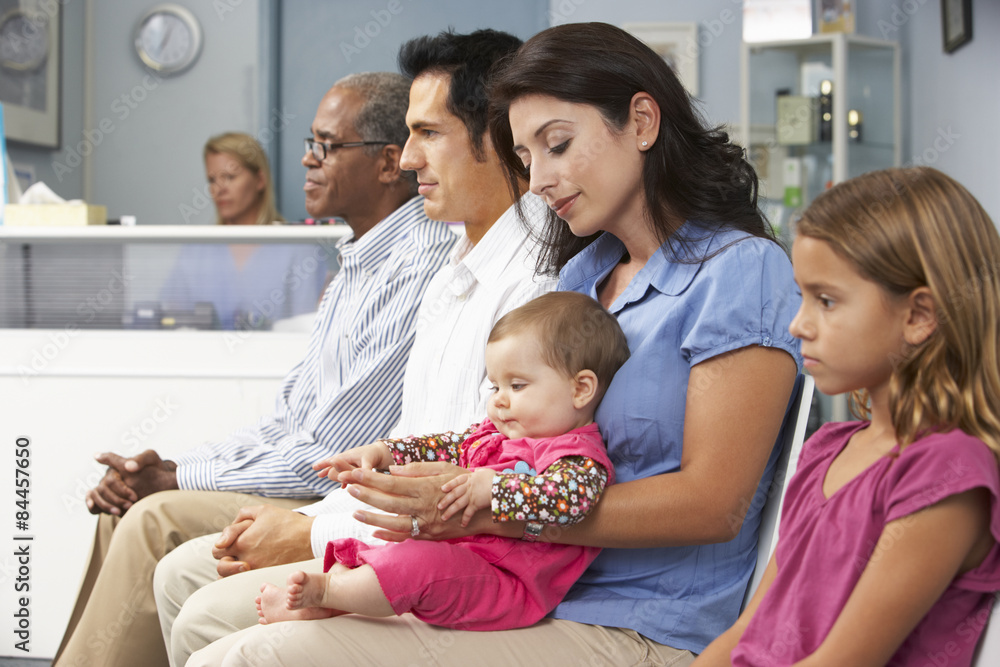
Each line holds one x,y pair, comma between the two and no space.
692,171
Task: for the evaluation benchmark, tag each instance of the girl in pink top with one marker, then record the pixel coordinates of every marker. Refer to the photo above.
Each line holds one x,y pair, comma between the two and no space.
549,362
888,541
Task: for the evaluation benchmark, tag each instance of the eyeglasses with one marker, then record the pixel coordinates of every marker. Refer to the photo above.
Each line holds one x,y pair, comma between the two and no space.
319,149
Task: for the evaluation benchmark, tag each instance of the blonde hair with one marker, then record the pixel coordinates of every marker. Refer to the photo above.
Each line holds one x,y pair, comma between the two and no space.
252,157
574,332
916,227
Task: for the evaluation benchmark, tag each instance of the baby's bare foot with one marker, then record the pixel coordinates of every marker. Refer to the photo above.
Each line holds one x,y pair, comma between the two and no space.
273,606
306,590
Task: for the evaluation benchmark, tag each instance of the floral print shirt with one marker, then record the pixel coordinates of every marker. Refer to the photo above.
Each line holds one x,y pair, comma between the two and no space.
563,493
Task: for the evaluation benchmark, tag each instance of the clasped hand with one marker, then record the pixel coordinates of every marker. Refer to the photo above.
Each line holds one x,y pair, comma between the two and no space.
126,481
262,536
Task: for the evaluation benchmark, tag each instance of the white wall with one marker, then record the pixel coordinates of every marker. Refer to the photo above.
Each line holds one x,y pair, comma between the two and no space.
75,393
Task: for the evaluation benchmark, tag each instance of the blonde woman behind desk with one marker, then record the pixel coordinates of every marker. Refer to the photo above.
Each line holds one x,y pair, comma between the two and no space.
249,285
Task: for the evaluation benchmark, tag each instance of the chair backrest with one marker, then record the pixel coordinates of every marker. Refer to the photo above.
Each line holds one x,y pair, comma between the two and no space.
793,434
988,652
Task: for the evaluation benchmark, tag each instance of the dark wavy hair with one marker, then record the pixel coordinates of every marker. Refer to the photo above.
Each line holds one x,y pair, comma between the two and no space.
468,60
691,173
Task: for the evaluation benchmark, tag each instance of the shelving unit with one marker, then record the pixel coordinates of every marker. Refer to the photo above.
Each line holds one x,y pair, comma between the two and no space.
865,73
865,76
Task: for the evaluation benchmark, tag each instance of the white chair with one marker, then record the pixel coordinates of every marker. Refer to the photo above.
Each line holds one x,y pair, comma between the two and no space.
988,652
793,434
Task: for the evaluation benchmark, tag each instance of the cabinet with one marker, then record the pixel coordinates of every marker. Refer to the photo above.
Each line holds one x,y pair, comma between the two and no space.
864,74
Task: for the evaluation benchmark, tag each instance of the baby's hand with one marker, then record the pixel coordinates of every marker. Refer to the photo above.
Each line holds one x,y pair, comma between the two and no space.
374,455
471,492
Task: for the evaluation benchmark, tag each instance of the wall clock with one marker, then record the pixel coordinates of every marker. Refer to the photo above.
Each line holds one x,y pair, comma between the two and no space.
24,41
168,39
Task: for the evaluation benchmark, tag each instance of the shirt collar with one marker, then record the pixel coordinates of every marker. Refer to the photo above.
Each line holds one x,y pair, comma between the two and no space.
669,271
379,242
486,261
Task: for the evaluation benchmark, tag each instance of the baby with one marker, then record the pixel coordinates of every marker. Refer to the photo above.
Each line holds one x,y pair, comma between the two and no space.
549,363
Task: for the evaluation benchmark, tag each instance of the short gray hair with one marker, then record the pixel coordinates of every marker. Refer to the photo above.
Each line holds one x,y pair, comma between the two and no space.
382,117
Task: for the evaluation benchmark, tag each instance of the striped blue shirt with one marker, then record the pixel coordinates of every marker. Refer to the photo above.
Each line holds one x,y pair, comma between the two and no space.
347,390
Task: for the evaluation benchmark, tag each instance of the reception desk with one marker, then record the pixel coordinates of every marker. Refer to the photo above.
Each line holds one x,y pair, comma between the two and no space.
73,389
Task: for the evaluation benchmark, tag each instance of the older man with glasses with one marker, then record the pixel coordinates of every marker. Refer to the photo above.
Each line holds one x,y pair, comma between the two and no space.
345,392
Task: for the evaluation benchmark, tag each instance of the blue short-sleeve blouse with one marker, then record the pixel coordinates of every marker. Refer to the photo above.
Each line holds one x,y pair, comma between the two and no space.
677,312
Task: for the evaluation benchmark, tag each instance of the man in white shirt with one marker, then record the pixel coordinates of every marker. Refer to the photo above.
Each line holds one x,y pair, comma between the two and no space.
345,392
489,272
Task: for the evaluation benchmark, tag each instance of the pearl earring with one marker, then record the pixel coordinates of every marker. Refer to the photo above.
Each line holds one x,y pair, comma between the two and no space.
645,143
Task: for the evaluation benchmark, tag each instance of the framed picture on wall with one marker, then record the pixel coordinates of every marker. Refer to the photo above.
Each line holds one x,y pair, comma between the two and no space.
29,71
956,23
677,43
835,16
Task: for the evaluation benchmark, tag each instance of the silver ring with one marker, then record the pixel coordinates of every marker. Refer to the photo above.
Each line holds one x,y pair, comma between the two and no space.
415,530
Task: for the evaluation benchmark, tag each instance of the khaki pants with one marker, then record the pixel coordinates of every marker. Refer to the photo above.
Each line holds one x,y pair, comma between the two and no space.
196,607
114,621
403,640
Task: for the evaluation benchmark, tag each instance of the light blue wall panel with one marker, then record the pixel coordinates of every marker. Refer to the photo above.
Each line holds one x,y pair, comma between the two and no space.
952,101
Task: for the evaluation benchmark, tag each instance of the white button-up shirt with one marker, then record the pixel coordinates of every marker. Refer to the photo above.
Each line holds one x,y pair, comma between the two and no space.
445,387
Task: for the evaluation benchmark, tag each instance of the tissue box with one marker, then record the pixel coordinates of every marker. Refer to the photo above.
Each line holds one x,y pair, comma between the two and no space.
54,215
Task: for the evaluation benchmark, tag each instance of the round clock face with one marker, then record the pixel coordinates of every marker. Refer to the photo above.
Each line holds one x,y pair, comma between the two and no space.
24,41
168,39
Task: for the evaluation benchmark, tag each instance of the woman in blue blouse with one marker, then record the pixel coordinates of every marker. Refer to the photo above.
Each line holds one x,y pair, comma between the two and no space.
655,215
